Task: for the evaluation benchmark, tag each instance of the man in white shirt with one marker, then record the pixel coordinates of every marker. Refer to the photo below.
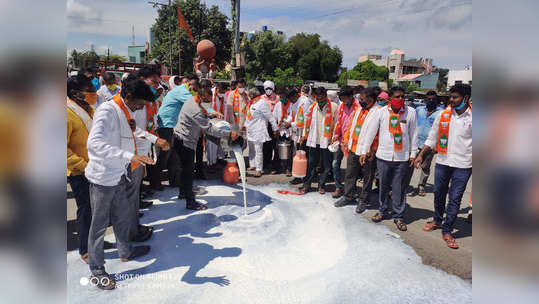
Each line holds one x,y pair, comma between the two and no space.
396,125
112,154
284,115
451,136
107,91
320,122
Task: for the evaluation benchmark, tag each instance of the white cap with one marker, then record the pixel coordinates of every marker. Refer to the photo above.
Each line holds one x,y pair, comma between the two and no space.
124,76
269,84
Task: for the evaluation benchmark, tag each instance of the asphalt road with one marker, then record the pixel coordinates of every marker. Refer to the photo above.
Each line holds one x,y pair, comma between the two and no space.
428,245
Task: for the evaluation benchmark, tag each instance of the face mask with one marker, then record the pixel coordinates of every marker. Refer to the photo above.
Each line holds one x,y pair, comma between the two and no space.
96,84
90,98
461,105
241,90
431,105
283,100
269,91
322,103
111,87
363,104
397,103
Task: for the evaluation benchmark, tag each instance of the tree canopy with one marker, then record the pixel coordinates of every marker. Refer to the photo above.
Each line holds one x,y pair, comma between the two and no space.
306,56
205,23
365,70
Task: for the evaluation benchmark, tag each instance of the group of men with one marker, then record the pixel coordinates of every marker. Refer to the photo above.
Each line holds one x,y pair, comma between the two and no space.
119,132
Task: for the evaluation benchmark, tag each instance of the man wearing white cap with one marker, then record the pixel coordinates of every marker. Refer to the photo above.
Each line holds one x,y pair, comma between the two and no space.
271,155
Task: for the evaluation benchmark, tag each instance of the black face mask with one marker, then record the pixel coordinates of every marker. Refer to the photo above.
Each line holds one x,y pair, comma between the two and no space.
431,105
363,104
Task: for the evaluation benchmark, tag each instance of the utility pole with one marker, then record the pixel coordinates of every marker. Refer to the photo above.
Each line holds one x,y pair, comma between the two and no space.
171,8
236,24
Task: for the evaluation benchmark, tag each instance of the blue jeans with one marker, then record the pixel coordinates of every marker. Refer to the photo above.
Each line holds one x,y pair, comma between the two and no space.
459,179
336,167
392,176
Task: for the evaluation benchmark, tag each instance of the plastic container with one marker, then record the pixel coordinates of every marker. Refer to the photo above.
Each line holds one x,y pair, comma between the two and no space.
299,164
231,173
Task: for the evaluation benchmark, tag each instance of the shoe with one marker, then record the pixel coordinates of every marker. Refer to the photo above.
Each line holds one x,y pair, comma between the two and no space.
361,207
273,172
194,205
145,204
257,174
321,190
138,251
84,257
296,181
103,281
450,241
303,190
143,235
288,173
343,202
421,191
338,193
108,245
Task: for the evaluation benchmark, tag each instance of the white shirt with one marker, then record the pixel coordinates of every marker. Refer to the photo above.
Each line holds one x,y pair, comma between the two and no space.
304,103
104,95
110,146
257,126
386,150
144,138
277,111
316,131
459,146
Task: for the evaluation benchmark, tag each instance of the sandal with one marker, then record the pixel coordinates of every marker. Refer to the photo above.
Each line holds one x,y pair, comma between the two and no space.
421,191
321,191
378,217
302,190
84,257
431,225
196,206
401,226
450,241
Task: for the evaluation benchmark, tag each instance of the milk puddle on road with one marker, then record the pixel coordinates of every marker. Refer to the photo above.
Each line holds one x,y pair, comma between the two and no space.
288,249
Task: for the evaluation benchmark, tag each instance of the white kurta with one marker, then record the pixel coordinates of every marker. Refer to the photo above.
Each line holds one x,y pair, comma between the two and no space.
316,134
257,130
277,112
304,103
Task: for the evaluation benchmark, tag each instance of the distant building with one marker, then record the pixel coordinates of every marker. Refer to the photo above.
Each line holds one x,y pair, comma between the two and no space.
398,66
136,53
459,76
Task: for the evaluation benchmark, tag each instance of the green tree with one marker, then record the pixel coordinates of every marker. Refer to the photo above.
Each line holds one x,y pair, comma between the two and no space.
442,79
284,77
83,59
264,53
204,22
314,59
365,70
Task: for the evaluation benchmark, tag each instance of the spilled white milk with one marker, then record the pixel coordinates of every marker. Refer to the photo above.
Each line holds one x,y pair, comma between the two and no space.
238,152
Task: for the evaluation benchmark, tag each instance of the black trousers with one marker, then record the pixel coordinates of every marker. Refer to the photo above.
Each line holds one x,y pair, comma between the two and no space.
166,159
315,155
353,170
199,165
187,161
81,189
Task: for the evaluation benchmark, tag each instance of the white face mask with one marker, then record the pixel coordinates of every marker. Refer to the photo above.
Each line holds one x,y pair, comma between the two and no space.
241,90
269,91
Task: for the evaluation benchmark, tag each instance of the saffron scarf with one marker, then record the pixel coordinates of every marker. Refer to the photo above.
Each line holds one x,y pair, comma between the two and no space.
328,118
395,128
249,104
284,110
357,128
119,102
236,105
151,111
443,130
218,103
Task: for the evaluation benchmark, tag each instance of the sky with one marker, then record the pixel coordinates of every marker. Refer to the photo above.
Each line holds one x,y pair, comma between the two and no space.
438,29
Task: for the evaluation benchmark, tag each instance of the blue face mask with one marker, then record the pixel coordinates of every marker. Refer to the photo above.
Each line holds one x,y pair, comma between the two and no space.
96,83
461,105
381,103
154,91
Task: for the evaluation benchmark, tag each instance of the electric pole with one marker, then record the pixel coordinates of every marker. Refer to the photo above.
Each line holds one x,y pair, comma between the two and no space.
236,25
171,8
